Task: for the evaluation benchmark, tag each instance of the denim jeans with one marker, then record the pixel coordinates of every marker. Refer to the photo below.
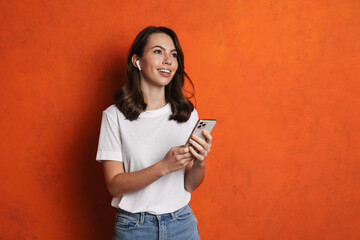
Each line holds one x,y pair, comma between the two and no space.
178,225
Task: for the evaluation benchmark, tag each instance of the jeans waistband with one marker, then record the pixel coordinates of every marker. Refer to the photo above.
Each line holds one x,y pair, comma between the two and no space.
149,216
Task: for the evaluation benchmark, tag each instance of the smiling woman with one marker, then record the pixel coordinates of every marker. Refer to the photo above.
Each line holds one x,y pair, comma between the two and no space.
158,51
147,169
158,63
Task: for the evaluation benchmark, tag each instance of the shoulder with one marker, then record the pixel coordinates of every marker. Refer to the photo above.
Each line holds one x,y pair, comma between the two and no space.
194,113
113,112
111,109
193,117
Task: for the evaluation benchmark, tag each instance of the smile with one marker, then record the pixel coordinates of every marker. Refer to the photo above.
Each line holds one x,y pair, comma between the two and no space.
165,71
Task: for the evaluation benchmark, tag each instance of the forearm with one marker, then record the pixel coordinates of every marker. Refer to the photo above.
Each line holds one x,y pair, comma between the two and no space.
123,183
194,176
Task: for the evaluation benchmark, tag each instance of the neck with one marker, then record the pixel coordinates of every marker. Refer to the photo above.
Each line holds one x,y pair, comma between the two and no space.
154,97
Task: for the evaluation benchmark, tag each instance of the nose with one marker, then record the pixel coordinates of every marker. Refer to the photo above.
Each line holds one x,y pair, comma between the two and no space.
167,60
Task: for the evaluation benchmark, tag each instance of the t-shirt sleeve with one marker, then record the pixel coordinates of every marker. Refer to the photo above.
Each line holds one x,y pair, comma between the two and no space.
109,147
194,118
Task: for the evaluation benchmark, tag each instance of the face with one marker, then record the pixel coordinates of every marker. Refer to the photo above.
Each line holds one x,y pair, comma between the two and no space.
159,61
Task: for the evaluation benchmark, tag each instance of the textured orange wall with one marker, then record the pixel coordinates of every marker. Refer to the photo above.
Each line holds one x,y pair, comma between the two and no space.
281,77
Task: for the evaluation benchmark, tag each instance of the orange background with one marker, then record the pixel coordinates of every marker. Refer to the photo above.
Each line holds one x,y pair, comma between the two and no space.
281,78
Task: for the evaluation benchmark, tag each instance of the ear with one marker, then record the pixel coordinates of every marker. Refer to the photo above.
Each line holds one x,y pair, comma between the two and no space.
133,60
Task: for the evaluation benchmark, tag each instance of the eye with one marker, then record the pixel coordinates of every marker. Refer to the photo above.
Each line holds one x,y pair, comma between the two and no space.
174,55
157,51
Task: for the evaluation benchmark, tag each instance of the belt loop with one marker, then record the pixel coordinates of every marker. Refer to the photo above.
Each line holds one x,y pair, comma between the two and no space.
173,215
142,216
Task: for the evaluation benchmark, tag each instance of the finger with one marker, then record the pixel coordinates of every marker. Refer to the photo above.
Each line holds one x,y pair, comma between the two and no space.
198,139
196,155
181,157
204,143
187,159
208,137
200,155
198,147
181,150
184,150
200,142
186,155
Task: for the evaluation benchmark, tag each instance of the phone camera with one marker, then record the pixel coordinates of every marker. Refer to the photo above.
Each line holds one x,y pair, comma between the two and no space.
202,125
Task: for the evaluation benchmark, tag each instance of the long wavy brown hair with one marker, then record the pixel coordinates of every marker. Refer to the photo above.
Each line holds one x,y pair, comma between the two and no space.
130,100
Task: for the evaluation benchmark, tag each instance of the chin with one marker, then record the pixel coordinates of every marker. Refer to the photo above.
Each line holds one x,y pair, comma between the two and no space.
164,82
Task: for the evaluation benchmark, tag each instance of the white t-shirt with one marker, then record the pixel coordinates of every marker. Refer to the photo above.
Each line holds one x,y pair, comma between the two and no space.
140,144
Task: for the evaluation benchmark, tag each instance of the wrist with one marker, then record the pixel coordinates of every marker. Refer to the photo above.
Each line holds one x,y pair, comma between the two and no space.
199,164
162,168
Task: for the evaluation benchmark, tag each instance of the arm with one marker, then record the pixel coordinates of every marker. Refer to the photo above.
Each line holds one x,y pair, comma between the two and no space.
195,171
118,182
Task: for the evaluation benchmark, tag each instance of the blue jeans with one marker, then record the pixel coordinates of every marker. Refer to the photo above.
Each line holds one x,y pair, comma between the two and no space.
178,225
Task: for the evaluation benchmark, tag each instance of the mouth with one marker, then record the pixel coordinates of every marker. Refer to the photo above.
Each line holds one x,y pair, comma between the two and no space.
166,71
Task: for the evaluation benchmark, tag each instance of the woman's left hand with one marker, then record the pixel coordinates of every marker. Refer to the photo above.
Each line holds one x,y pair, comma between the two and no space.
200,148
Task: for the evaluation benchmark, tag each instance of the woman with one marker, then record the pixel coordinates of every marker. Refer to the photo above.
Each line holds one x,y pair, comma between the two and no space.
147,169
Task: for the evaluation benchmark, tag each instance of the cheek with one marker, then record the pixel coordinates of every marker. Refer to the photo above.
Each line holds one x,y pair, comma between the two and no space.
151,62
176,66
175,70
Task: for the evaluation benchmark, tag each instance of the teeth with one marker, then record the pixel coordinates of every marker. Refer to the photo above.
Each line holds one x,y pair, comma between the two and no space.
163,70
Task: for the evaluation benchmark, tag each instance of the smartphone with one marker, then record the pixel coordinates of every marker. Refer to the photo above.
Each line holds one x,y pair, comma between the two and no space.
201,125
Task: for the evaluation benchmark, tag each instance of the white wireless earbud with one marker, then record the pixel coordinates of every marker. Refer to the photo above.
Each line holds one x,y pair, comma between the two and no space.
137,63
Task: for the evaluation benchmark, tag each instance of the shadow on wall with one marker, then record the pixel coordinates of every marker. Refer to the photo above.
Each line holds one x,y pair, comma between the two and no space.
86,187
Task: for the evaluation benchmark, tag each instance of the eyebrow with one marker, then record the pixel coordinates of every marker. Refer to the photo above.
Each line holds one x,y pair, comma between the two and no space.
162,48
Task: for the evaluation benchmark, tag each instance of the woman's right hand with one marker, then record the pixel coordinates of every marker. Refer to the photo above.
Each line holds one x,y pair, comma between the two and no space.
177,158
